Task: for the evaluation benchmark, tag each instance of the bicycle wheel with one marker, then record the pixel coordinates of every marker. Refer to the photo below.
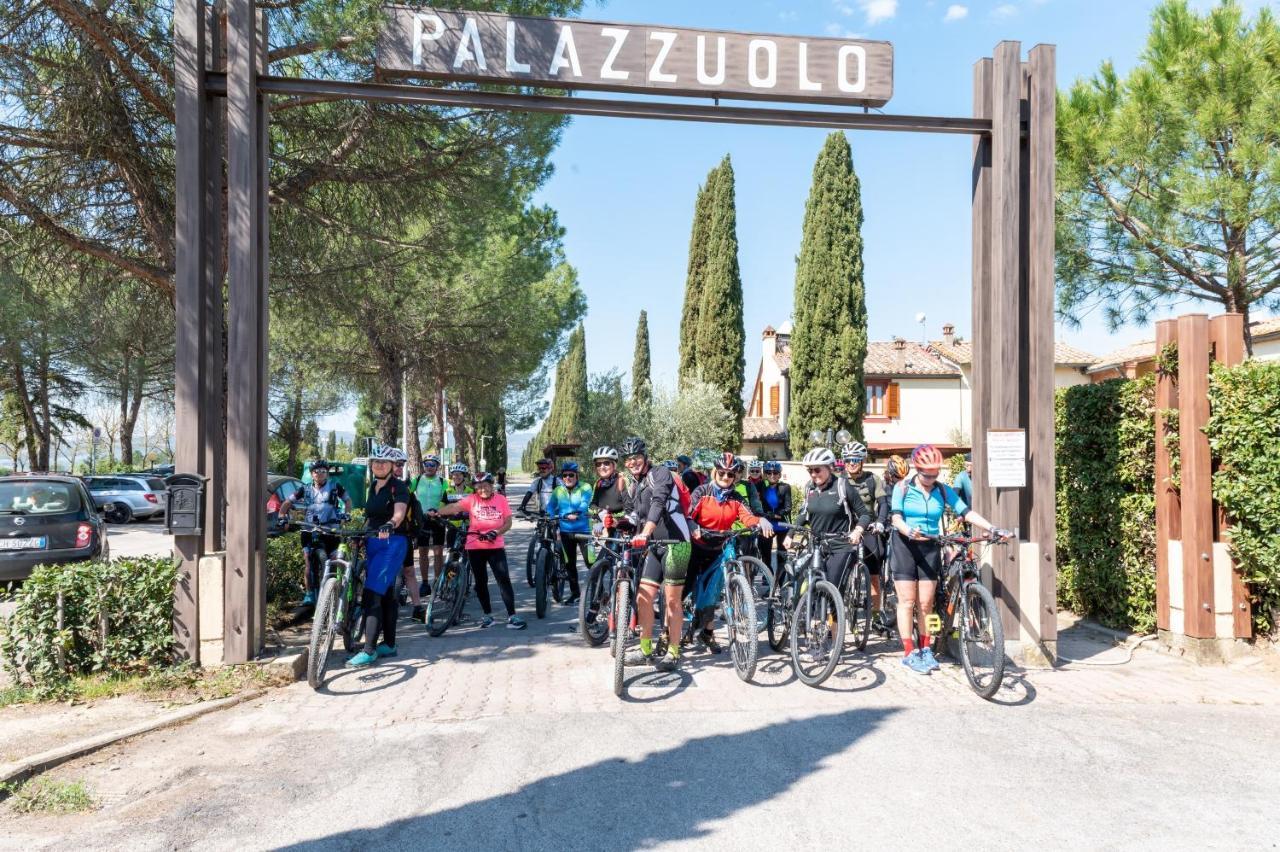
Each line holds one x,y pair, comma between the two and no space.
528,559
558,577
740,622
857,604
321,633
778,615
446,599
594,605
760,576
817,633
540,569
621,632
353,625
981,640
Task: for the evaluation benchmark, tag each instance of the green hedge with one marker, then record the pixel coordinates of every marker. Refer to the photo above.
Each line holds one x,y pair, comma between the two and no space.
285,568
116,617
1244,433
1106,502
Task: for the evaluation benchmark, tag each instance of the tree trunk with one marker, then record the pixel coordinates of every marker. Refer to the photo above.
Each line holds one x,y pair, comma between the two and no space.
412,446
45,430
130,405
294,436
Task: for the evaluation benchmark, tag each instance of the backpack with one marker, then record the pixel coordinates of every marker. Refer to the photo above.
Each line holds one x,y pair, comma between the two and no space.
414,518
680,494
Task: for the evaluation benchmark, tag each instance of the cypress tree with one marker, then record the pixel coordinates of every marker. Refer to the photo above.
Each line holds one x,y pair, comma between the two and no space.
641,382
688,367
569,404
829,342
721,336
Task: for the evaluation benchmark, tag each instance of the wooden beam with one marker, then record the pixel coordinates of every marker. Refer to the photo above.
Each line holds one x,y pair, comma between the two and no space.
1168,502
1226,335
262,164
1040,332
190,288
1196,475
983,496
213,371
1005,299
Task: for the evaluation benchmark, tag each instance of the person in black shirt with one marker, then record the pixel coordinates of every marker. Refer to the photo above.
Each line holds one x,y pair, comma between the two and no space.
609,494
687,474
384,509
832,506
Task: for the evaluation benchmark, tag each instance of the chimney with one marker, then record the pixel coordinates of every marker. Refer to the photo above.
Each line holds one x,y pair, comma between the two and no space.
769,344
949,334
899,343
900,352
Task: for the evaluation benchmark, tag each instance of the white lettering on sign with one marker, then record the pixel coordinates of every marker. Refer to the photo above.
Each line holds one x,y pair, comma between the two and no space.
703,77
469,48
565,47
656,74
437,31
607,71
514,66
842,76
754,77
806,85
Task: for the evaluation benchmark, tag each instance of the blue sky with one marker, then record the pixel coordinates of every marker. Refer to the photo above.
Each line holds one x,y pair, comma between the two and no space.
625,188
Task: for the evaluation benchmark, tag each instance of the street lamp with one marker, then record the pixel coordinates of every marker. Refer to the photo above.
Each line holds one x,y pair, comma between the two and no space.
820,438
484,459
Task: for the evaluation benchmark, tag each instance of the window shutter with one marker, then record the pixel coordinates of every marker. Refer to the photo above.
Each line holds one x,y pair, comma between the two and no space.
892,402
773,401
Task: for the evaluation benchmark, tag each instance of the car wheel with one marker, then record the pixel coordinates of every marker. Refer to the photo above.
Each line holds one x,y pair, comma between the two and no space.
119,513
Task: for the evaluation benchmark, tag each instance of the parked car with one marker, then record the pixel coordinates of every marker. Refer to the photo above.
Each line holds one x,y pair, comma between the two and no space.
279,489
133,495
46,519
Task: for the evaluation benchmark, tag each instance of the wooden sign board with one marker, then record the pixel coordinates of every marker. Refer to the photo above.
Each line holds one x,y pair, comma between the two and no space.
577,54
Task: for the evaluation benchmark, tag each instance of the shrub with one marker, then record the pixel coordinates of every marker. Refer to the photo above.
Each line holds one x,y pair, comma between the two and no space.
285,569
116,617
1106,502
1244,431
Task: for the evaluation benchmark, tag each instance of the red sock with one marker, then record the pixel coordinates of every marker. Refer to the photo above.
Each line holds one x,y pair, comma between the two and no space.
924,641
907,647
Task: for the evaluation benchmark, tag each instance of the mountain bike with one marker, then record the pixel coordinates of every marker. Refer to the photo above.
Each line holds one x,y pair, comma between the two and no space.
595,605
453,586
737,601
855,590
339,606
808,609
623,625
549,569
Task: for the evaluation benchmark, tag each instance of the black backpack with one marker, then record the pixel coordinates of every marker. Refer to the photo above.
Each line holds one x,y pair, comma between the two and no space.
414,518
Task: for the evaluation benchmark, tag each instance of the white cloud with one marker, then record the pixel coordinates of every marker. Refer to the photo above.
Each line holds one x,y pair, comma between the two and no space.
837,30
878,10
956,12
1004,10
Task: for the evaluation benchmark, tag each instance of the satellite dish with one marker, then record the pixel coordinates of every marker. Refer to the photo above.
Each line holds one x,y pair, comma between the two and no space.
920,318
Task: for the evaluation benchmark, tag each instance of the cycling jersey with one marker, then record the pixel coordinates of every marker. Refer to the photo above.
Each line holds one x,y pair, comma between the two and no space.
571,501
824,512
455,495
750,496
541,487
610,495
322,503
652,499
379,505
717,510
431,491
924,511
868,486
775,500
964,486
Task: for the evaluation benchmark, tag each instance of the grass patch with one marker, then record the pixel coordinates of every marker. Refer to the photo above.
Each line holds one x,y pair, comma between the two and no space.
16,695
47,796
176,685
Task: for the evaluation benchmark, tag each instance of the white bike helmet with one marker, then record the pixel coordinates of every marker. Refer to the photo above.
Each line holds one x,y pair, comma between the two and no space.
459,467
818,457
854,451
385,453
605,454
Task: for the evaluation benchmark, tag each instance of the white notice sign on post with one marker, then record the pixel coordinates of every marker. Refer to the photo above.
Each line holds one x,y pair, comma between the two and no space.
1007,458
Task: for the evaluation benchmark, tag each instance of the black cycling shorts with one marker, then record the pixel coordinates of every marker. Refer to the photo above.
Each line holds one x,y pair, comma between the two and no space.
914,561
667,564
328,542
434,533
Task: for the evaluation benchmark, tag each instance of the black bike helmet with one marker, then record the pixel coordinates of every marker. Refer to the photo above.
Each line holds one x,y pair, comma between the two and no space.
634,447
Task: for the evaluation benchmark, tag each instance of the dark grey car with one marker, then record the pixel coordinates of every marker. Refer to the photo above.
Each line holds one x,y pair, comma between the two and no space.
46,519
132,495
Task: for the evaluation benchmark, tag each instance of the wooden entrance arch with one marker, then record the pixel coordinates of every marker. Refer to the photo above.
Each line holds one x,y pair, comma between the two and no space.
223,93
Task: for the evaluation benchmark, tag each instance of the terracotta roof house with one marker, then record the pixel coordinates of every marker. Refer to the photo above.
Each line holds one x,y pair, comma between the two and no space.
1138,359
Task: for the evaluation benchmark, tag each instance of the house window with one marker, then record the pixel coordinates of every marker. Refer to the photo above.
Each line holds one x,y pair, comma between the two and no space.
773,401
883,400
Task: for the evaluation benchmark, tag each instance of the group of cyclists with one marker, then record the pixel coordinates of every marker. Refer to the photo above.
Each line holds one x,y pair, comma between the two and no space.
671,512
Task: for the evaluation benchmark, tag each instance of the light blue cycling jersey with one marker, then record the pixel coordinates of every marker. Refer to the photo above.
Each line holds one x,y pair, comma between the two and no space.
924,511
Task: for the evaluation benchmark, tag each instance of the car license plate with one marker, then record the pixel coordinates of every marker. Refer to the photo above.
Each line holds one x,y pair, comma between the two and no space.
38,543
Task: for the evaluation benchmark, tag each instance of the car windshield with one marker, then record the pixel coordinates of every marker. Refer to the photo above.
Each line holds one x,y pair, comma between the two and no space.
37,497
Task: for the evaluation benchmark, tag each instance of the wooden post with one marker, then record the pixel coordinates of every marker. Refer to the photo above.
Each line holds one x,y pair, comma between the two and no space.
215,359
191,288
1004,329
246,352
1196,475
1168,502
1226,334
262,163
1041,428
983,497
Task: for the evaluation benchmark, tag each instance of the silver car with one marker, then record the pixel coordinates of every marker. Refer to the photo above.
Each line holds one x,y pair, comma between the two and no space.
131,495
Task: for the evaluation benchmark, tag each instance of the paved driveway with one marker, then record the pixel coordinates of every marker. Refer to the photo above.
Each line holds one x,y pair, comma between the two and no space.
500,739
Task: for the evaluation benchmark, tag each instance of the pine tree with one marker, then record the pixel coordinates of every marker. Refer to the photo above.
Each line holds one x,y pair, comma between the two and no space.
641,382
829,343
694,277
720,335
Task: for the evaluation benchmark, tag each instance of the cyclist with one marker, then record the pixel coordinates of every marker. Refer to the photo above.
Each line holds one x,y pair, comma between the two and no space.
775,500
917,506
490,517
964,481
413,528
715,508
655,503
432,490
609,496
687,474
872,493
385,509
327,505
831,506
541,487
569,503
459,487
750,482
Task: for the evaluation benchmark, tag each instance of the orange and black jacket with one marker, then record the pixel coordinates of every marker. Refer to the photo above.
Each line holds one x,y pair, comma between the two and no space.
719,515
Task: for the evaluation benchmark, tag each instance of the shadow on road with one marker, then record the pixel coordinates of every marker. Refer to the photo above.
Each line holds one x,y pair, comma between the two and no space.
667,796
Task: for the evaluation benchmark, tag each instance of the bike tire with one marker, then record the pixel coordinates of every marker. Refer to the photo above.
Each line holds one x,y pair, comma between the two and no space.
599,587
979,617
322,632
540,583
621,632
446,599
819,616
558,578
761,583
857,605
778,617
529,556
740,622
353,626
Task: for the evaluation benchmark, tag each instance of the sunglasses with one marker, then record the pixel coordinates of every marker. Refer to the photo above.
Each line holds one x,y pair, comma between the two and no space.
924,475
815,469
568,476
604,464
431,464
